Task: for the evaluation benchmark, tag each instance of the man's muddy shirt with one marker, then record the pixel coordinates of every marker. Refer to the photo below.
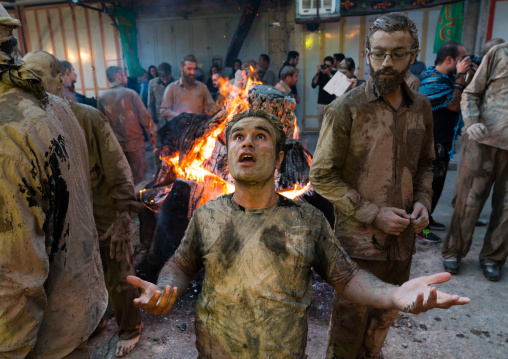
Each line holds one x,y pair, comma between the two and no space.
127,116
258,279
179,99
370,156
485,100
156,90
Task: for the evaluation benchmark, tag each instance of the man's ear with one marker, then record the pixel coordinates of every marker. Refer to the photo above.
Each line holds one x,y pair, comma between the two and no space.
414,54
278,160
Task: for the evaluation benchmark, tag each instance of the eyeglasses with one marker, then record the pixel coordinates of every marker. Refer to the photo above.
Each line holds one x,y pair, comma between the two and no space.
396,56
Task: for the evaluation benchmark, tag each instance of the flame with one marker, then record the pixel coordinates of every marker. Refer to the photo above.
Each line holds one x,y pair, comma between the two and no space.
296,132
295,192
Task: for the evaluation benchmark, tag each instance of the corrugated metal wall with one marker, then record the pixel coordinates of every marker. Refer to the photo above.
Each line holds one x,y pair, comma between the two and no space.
84,37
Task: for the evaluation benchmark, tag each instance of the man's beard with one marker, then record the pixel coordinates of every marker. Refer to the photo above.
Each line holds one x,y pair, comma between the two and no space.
189,79
386,85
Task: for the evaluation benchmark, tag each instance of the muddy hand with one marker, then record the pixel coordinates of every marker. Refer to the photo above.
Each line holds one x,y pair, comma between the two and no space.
391,220
419,217
418,295
152,299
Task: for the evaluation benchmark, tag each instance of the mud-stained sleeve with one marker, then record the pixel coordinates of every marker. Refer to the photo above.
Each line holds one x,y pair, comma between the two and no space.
188,254
113,163
473,94
328,160
332,262
24,262
422,182
144,117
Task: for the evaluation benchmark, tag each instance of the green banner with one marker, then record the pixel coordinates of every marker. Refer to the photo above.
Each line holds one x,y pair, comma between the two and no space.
128,34
449,25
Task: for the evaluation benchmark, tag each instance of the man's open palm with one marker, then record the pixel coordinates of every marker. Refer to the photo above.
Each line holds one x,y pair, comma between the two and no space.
152,299
417,295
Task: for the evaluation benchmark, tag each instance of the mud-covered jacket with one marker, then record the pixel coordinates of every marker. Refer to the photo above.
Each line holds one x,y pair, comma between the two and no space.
110,173
370,156
52,291
485,100
127,116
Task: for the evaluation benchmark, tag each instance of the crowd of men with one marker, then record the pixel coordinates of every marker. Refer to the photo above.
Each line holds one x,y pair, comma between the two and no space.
69,169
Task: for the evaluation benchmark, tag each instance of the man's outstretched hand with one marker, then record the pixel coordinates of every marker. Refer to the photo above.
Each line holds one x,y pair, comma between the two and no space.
417,295
152,299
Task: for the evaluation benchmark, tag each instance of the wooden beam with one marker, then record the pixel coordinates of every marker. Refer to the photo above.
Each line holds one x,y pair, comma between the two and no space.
90,48
24,36
78,49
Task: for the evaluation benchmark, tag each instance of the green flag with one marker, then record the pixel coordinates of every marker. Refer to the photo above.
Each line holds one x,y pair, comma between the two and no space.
449,25
128,34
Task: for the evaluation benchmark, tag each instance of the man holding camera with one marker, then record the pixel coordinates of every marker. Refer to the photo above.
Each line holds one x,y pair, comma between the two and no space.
443,85
320,79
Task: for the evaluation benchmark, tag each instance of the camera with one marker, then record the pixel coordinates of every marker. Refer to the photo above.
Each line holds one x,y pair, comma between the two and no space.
475,59
324,67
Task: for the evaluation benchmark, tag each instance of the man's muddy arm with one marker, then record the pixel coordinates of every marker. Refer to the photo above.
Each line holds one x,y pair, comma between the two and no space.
414,296
172,275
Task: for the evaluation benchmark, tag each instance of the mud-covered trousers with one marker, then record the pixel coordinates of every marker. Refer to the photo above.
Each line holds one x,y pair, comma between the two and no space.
121,294
137,161
481,168
357,331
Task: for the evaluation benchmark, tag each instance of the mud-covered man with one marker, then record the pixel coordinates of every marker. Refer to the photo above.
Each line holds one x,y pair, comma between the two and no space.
483,166
373,162
114,201
51,282
129,119
258,249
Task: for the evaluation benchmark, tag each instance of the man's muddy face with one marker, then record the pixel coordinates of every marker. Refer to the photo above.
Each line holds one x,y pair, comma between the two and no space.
388,74
189,72
251,151
48,68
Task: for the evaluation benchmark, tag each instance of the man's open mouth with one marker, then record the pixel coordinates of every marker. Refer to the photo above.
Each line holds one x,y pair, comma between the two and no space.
247,158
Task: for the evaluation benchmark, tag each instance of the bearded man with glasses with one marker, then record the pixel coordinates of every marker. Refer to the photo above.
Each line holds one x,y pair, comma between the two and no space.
373,161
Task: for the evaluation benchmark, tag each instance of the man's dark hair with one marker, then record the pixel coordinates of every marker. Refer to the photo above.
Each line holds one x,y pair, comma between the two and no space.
280,135
164,69
66,65
328,58
112,71
287,71
292,55
339,57
188,58
265,57
448,49
350,63
395,21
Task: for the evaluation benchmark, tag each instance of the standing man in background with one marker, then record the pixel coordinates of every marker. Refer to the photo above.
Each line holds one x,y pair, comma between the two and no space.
69,79
129,119
444,89
186,94
267,76
292,60
320,79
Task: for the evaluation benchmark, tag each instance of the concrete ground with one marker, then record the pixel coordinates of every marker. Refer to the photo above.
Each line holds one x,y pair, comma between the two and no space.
478,330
